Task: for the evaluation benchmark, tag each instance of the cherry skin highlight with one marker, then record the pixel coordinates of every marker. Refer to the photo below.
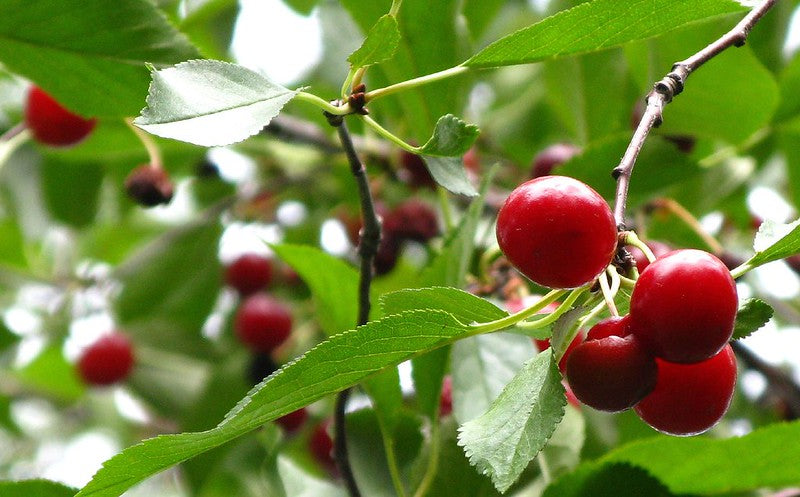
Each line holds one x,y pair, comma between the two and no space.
249,273
108,360
51,123
262,323
690,398
557,231
613,372
684,305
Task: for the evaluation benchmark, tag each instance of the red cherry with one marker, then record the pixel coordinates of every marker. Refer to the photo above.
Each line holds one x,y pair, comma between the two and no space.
414,171
658,248
249,273
51,123
293,421
149,186
262,323
684,305
472,161
320,444
571,395
557,231
612,372
690,398
551,157
108,360
446,397
411,220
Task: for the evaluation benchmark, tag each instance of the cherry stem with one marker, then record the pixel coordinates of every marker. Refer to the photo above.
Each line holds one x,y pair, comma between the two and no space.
689,220
553,316
413,83
630,238
367,248
513,319
609,291
665,90
149,144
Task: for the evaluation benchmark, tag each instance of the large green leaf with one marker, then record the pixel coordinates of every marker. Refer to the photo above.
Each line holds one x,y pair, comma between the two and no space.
464,306
333,284
594,26
35,488
729,98
502,441
340,362
702,465
775,241
208,102
89,54
170,286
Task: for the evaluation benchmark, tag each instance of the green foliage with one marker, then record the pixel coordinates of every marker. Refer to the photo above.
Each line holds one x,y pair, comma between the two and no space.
594,26
89,55
775,241
502,442
210,103
380,44
35,488
752,315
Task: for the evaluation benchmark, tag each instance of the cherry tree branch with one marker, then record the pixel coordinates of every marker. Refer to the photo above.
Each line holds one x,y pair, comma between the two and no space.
665,90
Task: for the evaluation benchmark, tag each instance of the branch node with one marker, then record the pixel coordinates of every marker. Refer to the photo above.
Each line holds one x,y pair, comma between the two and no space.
333,119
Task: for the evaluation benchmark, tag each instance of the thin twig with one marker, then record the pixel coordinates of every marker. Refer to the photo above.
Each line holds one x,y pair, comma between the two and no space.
367,248
665,90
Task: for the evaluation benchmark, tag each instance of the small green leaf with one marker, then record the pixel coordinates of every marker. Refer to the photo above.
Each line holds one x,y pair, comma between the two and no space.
333,284
775,241
462,305
338,363
380,44
706,466
519,423
208,102
89,54
451,137
481,366
35,488
752,315
449,172
594,26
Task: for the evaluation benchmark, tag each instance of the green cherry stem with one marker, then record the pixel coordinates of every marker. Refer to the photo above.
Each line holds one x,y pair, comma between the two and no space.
630,238
328,107
413,83
372,123
609,290
741,270
553,316
513,319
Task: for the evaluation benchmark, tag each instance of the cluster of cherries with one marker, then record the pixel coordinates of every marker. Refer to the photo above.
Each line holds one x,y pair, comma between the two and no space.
669,358
52,124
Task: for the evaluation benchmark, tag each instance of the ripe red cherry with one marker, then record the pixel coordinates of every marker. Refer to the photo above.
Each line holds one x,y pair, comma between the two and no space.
320,444
658,248
613,371
51,123
249,273
557,231
108,360
293,421
551,157
262,323
683,306
690,398
414,171
411,220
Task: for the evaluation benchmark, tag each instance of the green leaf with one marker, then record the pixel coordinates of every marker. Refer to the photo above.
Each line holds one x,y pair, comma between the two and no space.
302,6
333,284
775,241
729,99
72,190
607,480
519,423
451,137
208,102
481,366
450,173
594,26
170,287
702,465
89,54
35,488
51,374
462,305
340,362
380,44
450,266
752,315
